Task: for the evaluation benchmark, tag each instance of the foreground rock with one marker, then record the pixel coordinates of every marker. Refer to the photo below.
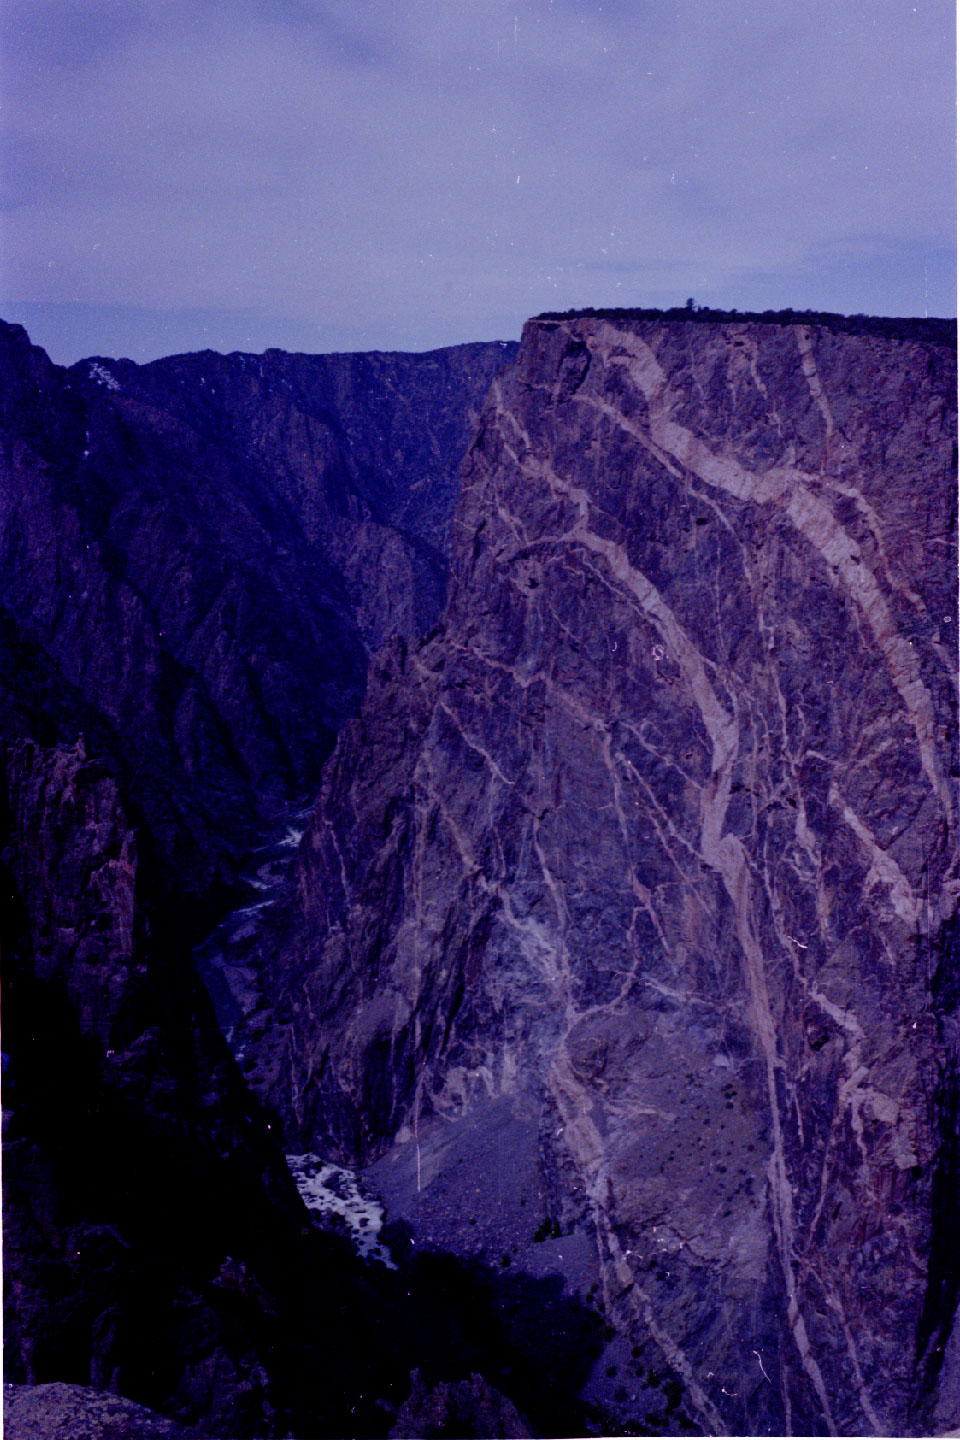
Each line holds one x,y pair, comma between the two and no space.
76,1412
469,1407
626,938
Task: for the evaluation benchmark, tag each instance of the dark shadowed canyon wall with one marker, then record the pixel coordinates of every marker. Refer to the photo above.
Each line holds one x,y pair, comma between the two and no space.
197,555
626,932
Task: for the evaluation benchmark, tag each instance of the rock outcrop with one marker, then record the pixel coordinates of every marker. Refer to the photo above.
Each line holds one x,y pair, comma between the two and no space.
467,1407
626,935
77,1412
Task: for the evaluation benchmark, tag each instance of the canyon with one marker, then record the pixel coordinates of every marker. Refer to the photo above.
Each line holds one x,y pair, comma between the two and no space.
618,955
204,551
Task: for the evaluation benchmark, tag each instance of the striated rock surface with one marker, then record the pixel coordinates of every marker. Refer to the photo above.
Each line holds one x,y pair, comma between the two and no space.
196,556
626,935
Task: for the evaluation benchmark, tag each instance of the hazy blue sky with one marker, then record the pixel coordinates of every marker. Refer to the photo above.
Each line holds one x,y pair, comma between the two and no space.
400,174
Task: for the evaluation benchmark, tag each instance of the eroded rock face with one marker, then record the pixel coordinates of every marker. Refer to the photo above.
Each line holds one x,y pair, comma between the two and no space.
653,844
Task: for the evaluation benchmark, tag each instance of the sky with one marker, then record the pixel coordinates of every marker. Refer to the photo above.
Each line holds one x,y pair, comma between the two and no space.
403,174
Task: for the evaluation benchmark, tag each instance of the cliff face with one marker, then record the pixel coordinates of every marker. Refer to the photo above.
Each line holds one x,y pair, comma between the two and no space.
200,553
629,904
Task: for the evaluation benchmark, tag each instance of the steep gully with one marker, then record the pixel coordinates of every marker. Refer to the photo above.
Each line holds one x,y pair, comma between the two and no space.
856,888
226,963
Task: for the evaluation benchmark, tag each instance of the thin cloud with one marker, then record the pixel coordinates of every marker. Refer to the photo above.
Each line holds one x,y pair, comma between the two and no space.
433,169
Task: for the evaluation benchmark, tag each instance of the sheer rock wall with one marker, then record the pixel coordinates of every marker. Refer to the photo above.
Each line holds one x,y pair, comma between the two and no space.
652,846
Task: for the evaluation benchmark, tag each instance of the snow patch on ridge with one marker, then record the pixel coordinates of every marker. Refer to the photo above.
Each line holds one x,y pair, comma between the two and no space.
329,1189
102,375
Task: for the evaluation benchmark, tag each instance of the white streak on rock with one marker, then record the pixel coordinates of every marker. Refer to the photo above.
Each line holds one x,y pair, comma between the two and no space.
329,1189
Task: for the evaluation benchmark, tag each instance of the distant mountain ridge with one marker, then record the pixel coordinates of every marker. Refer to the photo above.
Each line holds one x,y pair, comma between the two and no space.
207,548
